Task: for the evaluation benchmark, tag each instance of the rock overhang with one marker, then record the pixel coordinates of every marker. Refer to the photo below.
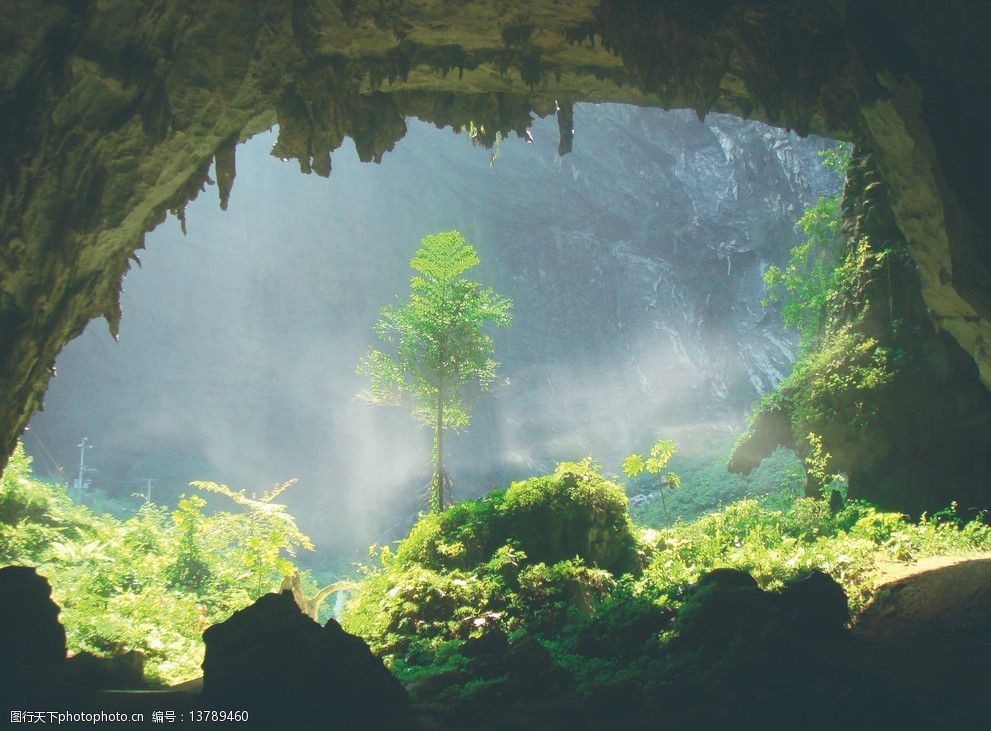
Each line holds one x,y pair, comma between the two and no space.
114,114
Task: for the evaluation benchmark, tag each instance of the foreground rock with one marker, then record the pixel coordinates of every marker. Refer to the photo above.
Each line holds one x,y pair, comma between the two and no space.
289,672
32,642
86,672
931,631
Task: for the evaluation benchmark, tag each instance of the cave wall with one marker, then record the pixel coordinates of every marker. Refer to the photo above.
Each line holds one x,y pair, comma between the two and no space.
896,402
112,112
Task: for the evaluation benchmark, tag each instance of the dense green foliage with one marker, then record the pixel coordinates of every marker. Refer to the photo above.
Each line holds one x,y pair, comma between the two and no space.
152,582
439,346
847,365
486,569
807,282
551,565
785,542
851,357
538,554
707,486
841,375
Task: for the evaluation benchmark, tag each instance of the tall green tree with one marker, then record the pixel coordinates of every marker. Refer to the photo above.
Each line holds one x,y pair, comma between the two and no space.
439,350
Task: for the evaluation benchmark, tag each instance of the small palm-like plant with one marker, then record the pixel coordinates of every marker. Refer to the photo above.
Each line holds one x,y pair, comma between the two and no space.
660,454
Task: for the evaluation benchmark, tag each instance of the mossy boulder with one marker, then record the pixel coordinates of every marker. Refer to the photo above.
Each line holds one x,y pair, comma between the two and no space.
535,556
574,512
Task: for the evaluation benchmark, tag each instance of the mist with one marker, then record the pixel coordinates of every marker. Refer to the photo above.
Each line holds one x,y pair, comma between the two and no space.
634,264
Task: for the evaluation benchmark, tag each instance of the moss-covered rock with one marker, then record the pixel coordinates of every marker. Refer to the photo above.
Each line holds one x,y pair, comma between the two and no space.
574,512
883,396
540,554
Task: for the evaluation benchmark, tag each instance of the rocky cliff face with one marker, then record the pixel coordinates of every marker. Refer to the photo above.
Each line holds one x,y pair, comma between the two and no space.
634,264
877,386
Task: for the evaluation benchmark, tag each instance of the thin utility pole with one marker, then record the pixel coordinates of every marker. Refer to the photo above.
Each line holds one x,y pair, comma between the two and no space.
148,481
82,464
81,481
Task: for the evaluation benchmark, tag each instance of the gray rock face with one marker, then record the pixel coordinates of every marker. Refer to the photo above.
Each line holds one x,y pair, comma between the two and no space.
634,263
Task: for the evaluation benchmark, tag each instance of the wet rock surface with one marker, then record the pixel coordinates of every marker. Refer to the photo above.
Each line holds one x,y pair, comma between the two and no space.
931,632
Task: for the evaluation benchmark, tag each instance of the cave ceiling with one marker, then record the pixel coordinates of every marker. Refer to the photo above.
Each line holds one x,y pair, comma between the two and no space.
113,113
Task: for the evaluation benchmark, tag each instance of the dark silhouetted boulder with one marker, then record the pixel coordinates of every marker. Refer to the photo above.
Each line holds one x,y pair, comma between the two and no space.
289,672
530,661
775,660
816,606
32,642
487,654
725,603
617,699
86,672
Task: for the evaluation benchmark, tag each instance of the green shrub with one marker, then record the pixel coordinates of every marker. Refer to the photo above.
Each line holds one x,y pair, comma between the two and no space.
708,486
572,512
150,583
502,564
779,546
553,557
538,555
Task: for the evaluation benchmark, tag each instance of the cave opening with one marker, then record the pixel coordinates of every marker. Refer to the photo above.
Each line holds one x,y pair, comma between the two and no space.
635,262
542,605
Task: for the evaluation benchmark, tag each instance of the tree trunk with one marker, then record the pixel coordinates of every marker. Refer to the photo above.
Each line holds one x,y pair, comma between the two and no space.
438,490
664,505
